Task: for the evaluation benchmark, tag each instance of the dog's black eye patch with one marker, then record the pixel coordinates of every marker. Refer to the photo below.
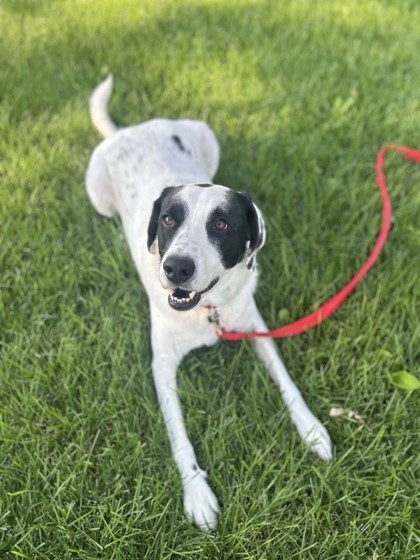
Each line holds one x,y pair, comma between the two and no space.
231,240
172,215
165,205
176,211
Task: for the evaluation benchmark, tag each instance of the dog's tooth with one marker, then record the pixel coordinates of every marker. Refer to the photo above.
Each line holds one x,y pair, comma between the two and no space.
182,300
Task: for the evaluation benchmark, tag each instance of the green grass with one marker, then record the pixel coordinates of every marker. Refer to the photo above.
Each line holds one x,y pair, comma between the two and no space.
301,95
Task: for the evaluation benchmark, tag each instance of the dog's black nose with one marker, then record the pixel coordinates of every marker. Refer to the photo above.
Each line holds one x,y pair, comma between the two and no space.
179,269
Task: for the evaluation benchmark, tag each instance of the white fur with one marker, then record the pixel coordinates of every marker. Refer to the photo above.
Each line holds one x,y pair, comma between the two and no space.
126,174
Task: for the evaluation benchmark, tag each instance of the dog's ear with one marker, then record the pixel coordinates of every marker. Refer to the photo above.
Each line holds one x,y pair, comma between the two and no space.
152,230
153,223
256,227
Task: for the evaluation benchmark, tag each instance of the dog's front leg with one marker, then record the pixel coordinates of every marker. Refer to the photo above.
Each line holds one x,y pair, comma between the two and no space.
200,504
309,427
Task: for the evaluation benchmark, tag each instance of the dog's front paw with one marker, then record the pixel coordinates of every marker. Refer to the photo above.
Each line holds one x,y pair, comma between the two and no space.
313,433
200,504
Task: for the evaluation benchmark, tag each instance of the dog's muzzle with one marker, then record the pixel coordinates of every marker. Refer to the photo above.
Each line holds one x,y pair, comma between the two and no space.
181,300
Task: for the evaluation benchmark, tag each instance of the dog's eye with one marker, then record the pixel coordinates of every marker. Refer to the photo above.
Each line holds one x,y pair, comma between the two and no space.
168,221
221,224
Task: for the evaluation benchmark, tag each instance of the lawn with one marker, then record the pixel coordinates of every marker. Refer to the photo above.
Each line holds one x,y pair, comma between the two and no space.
301,95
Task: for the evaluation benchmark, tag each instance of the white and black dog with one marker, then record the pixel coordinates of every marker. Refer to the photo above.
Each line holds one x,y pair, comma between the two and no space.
194,245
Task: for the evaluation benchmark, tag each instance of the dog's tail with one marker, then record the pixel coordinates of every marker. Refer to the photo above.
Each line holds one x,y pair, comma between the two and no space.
98,105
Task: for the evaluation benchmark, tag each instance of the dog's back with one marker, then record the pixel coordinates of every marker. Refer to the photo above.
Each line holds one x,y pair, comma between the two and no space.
143,159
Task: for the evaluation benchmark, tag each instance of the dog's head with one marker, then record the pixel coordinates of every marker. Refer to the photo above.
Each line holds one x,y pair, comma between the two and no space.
200,233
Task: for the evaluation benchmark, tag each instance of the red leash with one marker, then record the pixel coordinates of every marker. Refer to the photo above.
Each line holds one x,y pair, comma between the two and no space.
321,314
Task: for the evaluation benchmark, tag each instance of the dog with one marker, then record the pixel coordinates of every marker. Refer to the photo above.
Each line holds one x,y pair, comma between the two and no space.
194,244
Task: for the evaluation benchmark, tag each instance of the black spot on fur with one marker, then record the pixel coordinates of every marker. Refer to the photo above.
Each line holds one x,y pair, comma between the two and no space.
204,184
178,142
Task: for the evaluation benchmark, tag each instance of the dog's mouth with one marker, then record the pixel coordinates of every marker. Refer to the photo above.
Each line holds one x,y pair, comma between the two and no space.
181,300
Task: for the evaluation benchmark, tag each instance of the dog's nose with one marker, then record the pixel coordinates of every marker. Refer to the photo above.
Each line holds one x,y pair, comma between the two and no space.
179,269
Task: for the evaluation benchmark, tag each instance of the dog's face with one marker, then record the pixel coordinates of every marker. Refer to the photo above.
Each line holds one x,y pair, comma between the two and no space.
200,233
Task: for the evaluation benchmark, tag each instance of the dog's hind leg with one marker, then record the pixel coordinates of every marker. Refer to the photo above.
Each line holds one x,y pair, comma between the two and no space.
200,503
98,185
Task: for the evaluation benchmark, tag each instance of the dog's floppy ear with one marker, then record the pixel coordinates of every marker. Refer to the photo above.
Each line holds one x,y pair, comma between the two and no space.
153,223
154,218
256,227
